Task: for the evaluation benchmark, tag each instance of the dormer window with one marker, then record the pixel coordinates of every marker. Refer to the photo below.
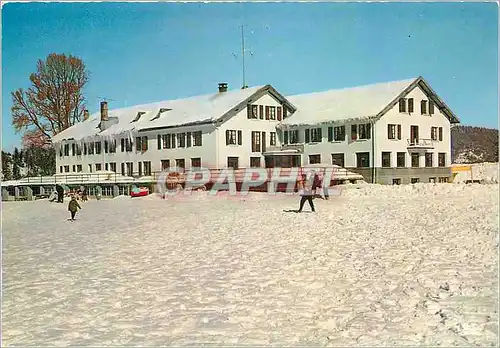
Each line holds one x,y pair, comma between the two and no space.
162,110
139,114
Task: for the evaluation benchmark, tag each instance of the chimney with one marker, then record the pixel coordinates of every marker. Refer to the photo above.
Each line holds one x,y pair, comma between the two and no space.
222,87
85,115
104,111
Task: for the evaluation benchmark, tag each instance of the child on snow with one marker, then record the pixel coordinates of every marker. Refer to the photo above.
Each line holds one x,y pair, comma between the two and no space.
73,207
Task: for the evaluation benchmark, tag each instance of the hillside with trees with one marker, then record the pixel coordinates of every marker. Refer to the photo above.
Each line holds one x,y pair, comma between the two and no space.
474,144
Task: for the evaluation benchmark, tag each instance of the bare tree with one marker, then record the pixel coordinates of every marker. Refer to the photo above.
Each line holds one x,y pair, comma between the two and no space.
54,101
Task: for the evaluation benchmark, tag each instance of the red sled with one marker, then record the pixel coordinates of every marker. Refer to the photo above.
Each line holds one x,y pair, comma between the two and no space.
141,191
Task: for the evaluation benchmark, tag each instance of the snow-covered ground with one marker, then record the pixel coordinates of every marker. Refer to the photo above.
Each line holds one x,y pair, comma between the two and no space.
378,265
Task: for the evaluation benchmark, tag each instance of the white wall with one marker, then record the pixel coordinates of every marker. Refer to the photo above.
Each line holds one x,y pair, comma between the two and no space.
424,123
247,126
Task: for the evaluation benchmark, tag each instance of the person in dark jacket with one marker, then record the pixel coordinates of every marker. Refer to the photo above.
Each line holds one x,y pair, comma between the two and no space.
306,192
60,193
73,207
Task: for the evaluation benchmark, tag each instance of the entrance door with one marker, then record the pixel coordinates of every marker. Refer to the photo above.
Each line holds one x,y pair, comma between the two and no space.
414,135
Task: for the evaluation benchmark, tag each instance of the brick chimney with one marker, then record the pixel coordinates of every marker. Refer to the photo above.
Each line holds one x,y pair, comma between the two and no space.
85,115
104,111
222,87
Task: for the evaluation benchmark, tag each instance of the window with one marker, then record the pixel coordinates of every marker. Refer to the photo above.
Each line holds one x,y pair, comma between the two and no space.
428,159
414,180
261,112
106,166
79,168
443,179
431,107
188,139
66,149
432,180
363,159
180,163
197,138
402,105
61,151
272,139
386,159
396,181
313,135
434,135
130,168
91,148
147,168
165,164
415,160
98,167
106,146
314,159
291,137
181,140
394,131
60,169
338,159
252,111
196,162
98,147
232,162
172,141
364,131
112,167
254,162
354,132
339,133
401,159
90,168
233,137
158,141
78,150
255,141
140,168
423,107
74,168
440,133
410,105
263,141
267,112
272,113
442,159
112,146
126,145
66,169
279,110
73,149
141,144
123,168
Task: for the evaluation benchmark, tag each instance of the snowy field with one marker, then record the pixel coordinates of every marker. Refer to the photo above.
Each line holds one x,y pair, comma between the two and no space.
379,265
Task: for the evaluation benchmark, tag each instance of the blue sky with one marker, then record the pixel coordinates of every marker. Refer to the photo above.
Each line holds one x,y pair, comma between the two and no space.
144,52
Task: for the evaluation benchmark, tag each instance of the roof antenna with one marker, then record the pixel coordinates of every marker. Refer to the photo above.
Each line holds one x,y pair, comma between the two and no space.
243,47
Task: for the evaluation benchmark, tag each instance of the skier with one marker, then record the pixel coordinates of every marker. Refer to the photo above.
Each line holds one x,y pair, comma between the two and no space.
60,193
305,190
73,207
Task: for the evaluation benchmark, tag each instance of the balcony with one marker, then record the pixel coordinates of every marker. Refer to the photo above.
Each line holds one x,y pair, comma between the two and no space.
420,144
299,148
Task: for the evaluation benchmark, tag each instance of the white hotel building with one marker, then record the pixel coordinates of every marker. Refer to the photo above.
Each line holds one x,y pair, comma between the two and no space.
396,132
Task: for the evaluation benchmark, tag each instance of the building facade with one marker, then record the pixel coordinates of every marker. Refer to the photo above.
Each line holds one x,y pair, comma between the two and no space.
391,133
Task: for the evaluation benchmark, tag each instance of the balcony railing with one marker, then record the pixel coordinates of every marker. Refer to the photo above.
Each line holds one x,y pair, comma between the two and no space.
286,147
420,143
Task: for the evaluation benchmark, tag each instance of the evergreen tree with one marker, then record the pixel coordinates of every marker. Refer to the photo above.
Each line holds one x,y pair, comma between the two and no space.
6,166
16,164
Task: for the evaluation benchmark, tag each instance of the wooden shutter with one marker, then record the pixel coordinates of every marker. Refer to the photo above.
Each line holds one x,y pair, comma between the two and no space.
240,141
172,138
440,133
342,133
123,168
249,111
122,143
307,135
402,105
263,141
227,137
368,129
330,133
320,135
399,132
431,107
423,107
285,112
285,137
159,141
188,139
267,112
410,105
389,131
261,112
279,113
144,143
354,132
138,144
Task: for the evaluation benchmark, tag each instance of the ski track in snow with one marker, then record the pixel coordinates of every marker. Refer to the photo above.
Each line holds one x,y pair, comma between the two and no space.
379,265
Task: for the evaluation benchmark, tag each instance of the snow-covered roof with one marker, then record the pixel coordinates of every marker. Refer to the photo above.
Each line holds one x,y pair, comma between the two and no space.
344,104
168,113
